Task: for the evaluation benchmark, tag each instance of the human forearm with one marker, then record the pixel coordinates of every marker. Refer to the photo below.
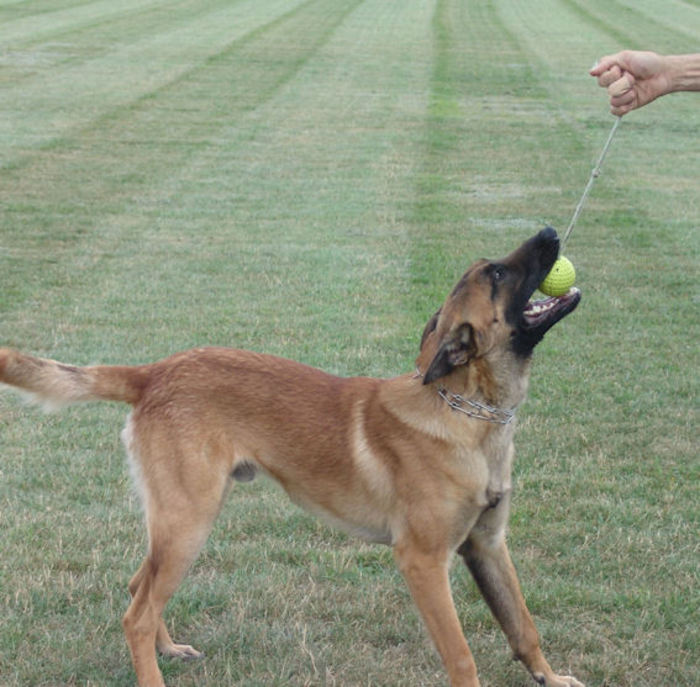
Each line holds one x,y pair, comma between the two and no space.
684,72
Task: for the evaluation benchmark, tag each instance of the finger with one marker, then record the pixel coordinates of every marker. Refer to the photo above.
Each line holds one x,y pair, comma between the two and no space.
609,76
628,98
619,111
621,86
623,103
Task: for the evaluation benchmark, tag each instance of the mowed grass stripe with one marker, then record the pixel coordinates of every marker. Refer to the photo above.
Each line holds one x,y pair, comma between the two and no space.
642,199
64,15
502,161
650,30
153,119
108,69
298,130
26,25
238,219
486,104
233,94
59,192
287,198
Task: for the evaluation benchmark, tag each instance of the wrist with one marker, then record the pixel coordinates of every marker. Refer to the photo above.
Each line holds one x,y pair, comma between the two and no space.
684,72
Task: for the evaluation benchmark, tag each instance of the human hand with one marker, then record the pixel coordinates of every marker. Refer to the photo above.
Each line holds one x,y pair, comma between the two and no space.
633,78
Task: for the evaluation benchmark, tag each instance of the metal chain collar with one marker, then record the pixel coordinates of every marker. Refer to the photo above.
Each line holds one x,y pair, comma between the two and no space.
479,410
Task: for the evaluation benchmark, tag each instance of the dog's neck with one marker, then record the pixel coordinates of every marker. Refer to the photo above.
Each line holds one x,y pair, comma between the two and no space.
476,409
472,390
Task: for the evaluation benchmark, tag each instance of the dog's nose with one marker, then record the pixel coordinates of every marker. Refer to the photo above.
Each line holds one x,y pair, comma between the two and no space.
548,234
547,243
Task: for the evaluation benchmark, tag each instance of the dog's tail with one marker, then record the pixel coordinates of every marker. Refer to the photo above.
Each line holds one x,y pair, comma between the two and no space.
55,384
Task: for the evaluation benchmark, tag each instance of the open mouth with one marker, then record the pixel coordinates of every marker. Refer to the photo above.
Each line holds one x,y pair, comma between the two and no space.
532,319
547,311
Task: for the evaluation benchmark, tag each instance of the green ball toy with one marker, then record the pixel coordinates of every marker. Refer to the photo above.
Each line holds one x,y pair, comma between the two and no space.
560,278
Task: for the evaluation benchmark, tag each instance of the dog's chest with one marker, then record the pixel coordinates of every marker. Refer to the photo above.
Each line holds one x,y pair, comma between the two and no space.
497,457
485,505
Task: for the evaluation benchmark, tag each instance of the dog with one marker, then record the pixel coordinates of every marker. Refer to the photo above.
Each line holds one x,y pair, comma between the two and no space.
421,462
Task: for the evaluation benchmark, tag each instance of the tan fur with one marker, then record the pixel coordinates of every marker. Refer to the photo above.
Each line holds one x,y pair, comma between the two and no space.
387,460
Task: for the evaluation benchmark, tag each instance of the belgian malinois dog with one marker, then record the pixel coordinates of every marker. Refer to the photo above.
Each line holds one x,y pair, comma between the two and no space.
421,462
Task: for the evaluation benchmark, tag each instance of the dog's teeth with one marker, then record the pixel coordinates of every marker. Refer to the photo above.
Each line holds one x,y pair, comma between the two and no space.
539,307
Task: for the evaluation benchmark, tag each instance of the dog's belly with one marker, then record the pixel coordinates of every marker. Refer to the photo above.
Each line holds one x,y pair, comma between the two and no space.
368,533
347,509
361,527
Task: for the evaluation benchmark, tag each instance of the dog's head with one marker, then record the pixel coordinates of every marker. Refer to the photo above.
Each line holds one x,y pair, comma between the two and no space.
489,310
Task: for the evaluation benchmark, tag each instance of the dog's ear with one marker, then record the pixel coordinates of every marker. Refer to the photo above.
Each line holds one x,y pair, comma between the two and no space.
456,348
430,327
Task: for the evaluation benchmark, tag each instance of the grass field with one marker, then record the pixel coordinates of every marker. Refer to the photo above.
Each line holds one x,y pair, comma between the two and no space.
308,178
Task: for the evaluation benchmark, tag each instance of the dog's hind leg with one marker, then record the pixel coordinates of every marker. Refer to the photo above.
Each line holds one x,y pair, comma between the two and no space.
169,557
182,497
164,643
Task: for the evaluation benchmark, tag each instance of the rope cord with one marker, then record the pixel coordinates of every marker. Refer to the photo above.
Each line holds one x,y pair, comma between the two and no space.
594,175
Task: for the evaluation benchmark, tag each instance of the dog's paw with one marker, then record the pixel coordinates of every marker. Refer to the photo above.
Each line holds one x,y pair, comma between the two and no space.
181,651
567,681
557,680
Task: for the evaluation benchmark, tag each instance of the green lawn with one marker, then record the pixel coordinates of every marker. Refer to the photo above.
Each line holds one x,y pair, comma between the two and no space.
309,178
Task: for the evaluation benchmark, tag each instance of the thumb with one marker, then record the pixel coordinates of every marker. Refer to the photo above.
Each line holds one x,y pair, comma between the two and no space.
602,65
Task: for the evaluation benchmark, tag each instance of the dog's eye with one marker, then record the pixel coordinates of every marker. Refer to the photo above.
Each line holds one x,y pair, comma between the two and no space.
498,273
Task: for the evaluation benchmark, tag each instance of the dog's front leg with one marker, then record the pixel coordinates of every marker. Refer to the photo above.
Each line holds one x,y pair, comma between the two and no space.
427,576
487,557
